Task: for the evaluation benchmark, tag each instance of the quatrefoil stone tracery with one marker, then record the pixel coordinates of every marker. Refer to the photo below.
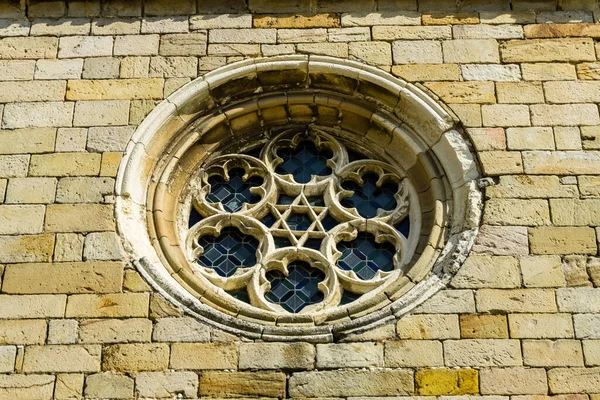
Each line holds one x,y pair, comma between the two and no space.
303,200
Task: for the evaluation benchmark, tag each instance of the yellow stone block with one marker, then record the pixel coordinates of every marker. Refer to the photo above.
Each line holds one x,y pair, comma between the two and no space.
447,381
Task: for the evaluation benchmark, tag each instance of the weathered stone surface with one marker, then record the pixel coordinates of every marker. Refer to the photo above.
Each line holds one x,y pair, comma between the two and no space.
135,357
103,246
578,300
62,331
136,45
21,219
546,30
548,72
427,72
434,326
542,271
115,330
93,277
100,68
471,51
591,350
203,356
60,27
376,53
519,92
167,384
411,52
68,386
464,92
325,49
190,44
516,212
516,300
350,383
490,72
79,218
31,190
292,36
73,359
18,70
413,353
276,356
575,212
26,248
562,240
242,384
447,382
502,240
538,50
574,380
483,326
29,48
482,31
27,331
64,164
513,381
115,26
8,355
587,326
540,326
357,34
34,115
527,187
449,302
349,355
108,385
505,115
549,353
108,305
109,89
380,18
501,162
69,247
574,268
180,330
85,46
482,353
530,138
411,32
460,18
84,190
17,386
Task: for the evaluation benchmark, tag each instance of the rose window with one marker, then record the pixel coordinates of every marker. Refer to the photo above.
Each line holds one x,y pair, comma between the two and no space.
298,198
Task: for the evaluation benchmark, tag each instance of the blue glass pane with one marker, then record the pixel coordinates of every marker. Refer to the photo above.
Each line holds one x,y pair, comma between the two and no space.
316,201
329,222
365,256
195,217
298,289
313,243
268,220
348,297
235,192
282,242
368,197
283,199
241,295
228,251
404,227
299,222
304,161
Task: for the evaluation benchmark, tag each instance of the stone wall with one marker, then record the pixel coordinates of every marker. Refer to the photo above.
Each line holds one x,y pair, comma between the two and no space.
522,316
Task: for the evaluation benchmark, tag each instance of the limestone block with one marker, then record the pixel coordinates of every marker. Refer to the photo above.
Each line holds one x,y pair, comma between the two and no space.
460,18
18,70
165,24
69,247
488,271
381,18
516,300
411,32
60,27
483,31
267,50
110,163
413,353
513,381
591,350
539,50
285,21
115,26
167,384
349,355
578,300
32,386
190,44
576,15
59,69
482,353
37,115
572,92
14,27
133,282
502,241
64,164
549,353
136,45
79,217
28,48
108,305
84,190
27,248
551,30
562,240
540,326
276,356
73,358
519,92
21,219
242,384
346,383
203,356
504,115
8,355
85,46
235,49
527,187
180,330
326,49
105,112
433,326
16,91
487,139
62,331
118,89
101,68
134,67
108,385
542,271
473,326
115,330
21,332
284,36
475,72
375,53
574,380
136,357
448,302
169,67
103,246
357,34
98,277
562,162
427,72
591,137
447,381
575,211
589,185
411,52
548,72
588,70
564,115
471,51
464,92
68,386
31,190
518,17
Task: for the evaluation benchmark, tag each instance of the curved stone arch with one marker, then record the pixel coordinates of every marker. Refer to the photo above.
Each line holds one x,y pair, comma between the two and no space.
226,105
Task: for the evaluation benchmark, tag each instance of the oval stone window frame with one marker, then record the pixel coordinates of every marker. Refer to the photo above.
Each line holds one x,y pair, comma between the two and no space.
228,103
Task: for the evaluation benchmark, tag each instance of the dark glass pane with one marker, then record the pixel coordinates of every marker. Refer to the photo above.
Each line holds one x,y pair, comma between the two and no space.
316,201
365,256
298,289
299,222
255,152
241,295
348,297
368,197
282,242
355,155
235,192
304,161
283,199
404,227
195,217
329,222
228,251
268,220
313,243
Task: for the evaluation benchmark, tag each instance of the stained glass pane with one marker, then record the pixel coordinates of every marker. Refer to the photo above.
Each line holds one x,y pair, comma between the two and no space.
195,217
299,222
348,297
282,242
228,251
368,198
404,227
235,192
298,290
241,295
313,243
365,256
269,220
304,161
